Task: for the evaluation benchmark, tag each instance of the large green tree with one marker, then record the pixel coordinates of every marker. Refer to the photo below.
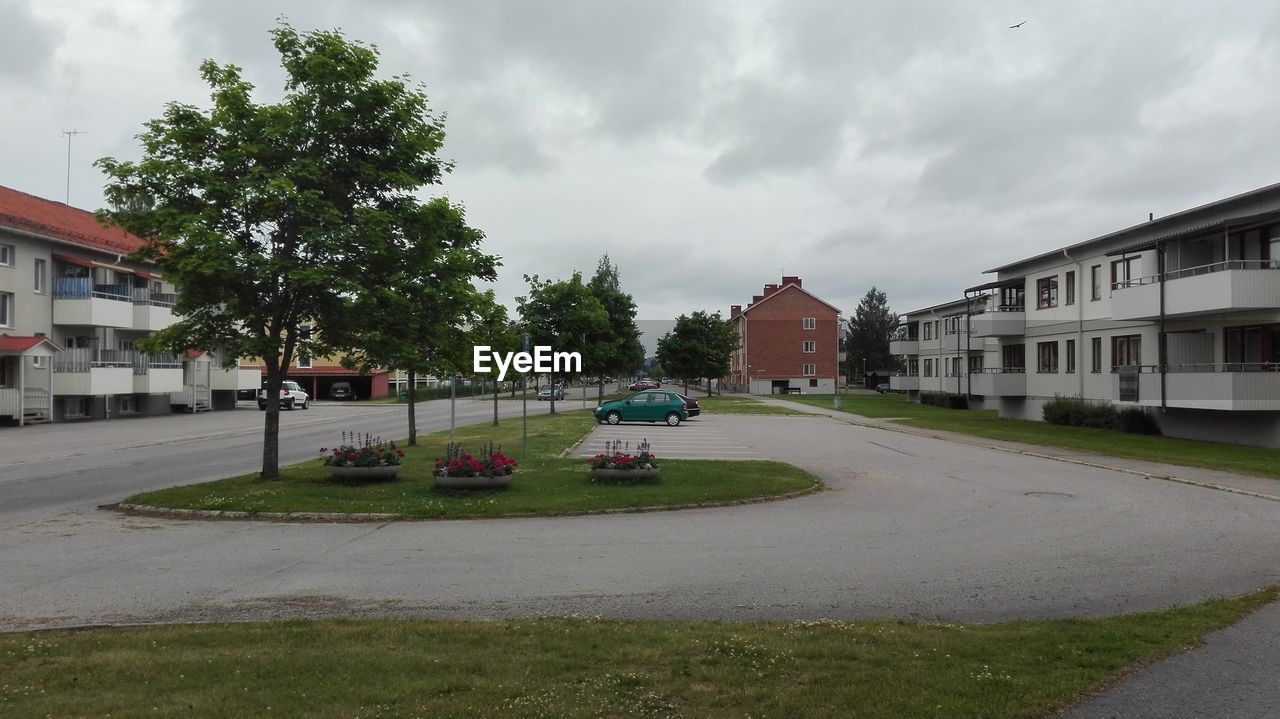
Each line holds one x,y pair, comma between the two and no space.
271,216
617,350
868,335
563,315
699,346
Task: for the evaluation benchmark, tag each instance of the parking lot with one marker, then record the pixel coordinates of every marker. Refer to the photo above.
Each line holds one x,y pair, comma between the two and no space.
703,437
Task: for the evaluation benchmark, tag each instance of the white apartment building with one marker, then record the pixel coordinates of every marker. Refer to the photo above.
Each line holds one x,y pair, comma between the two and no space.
1179,315
72,307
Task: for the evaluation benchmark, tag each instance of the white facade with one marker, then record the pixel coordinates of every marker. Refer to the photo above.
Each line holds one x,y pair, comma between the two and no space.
92,305
1179,315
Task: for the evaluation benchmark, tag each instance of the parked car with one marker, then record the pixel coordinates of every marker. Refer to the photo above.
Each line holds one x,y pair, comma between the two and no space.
291,395
550,391
690,405
883,388
342,390
644,384
646,406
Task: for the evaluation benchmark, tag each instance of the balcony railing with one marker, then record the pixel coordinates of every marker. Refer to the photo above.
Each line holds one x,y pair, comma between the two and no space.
1200,270
83,359
144,296
1001,308
143,362
1206,367
1001,370
82,288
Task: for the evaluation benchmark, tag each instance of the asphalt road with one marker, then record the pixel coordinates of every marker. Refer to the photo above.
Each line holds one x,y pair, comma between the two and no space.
910,527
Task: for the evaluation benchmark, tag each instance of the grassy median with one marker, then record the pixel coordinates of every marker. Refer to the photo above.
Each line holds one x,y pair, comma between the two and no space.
544,484
590,668
1256,461
743,405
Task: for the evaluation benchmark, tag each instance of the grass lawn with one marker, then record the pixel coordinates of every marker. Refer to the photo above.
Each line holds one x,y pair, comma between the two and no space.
1256,461
742,405
544,484
589,668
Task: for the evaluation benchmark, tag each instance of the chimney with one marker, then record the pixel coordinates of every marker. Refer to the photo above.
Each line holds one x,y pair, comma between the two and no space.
756,298
1151,216
770,289
790,280
734,311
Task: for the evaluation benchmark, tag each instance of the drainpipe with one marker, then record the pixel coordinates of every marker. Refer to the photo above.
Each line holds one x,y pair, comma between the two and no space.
1079,324
1161,341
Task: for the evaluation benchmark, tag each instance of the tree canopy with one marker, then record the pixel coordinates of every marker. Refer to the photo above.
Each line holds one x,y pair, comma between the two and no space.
868,336
270,216
700,345
564,315
616,350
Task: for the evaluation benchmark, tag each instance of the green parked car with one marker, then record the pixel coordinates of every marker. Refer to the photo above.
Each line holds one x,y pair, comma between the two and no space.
650,406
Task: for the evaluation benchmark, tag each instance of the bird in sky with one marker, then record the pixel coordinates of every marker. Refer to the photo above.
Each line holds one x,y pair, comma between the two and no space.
1015,27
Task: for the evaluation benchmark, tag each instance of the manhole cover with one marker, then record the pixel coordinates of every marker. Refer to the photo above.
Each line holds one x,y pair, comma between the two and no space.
1049,494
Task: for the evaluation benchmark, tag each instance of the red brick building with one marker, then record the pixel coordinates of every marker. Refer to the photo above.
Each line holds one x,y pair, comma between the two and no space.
787,342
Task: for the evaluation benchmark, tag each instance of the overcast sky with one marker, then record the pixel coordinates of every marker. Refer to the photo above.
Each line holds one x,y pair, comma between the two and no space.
708,147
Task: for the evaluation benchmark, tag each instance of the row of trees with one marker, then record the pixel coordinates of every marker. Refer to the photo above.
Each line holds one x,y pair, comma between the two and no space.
275,218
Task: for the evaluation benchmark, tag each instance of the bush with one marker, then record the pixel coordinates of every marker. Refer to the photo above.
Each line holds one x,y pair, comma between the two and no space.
1077,412
1136,420
945,399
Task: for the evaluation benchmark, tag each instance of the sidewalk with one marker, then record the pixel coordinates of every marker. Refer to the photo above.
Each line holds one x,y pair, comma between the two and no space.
1223,481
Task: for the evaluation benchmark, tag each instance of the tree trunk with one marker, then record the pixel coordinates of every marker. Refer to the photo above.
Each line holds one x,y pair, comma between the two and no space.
600,392
413,408
551,379
708,386
686,386
271,427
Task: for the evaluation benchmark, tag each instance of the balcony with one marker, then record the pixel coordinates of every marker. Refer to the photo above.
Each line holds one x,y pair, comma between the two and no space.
904,346
955,341
152,311
1233,386
156,374
86,371
904,383
999,382
1000,321
77,301
1236,285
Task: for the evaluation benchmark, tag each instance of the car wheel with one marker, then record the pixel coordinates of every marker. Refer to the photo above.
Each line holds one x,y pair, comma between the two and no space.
613,417
289,405
673,419
304,404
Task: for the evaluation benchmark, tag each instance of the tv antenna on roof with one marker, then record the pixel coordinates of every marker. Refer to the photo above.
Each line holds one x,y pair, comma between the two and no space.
70,134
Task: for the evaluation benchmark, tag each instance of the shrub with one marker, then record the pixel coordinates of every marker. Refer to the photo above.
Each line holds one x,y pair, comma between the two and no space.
362,450
491,462
945,399
1136,420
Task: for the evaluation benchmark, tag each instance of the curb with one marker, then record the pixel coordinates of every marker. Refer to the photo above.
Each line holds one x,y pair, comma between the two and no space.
575,445
906,429
144,510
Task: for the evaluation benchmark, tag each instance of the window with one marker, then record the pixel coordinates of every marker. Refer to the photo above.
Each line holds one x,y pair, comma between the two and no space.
955,367
1095,274
1071,288
928,330
1071,355
1124,271
1013,358
74,407
1046,356
813,383
8,372
304,361
38,281
810,323
6,255
975,363
1252,348
1013,298
125,404
809,347
6,309
913,367
1047,292
928,368
1126,351
39,362
810,370
1095,350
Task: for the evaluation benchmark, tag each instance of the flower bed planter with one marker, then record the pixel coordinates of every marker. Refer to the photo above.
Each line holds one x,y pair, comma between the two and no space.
499,482
363,474
624,476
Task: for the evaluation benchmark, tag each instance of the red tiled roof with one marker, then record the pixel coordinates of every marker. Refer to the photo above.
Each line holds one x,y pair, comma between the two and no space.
29,213
320,371
12,343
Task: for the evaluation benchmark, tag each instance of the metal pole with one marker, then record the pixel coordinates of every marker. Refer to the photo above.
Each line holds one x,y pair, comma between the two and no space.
453,397
524,408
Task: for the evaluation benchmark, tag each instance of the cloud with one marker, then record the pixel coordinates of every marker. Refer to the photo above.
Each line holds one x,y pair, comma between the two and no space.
27,52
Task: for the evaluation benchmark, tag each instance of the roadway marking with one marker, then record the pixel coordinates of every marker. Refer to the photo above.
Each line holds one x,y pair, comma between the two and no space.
695,439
